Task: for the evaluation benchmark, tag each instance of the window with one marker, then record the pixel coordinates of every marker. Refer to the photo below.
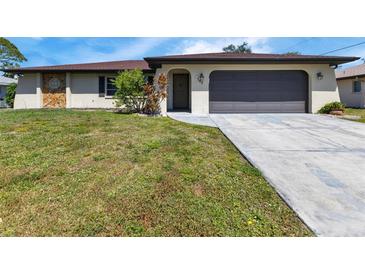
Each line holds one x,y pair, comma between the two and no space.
110,87
357,86
1,92
149,80
101,86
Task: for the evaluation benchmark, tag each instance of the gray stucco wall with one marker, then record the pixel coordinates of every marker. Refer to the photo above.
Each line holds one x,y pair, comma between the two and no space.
82,89
26,92
350,98
85,91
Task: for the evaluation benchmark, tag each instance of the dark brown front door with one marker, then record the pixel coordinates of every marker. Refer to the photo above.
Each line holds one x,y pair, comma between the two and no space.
181,91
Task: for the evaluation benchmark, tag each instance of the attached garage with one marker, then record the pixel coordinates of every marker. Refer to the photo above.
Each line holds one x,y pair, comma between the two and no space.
258,91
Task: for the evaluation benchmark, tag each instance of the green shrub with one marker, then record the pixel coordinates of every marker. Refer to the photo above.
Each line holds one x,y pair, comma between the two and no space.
130,94
10,94
327,108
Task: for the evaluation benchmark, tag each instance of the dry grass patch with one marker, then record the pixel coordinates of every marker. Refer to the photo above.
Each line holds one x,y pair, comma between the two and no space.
356,112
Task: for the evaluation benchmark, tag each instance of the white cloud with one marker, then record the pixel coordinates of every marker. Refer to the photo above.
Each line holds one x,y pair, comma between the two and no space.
190,46
90,52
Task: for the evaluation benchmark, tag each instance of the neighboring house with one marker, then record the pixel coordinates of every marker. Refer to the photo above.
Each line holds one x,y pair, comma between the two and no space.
199,83
351,86
4,83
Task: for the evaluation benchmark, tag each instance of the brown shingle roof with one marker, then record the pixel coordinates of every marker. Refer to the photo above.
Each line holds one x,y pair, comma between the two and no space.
101,66
224,57
230,55
351,72
202,58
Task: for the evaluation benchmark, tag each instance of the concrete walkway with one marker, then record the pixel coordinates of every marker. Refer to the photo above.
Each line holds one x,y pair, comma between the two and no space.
316,163
196,119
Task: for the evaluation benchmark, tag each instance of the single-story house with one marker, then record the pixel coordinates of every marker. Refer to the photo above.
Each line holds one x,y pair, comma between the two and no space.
199,83
351,86
4,83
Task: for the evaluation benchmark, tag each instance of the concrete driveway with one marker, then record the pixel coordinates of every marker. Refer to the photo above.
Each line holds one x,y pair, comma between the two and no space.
316,164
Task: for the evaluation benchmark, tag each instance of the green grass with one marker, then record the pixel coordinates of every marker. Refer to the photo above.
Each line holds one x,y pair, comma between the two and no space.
97,173
358,112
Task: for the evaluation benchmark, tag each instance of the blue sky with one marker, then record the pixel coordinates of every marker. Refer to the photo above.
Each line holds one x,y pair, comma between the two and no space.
53,51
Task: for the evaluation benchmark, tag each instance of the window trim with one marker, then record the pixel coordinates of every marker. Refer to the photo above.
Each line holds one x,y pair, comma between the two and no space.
106,86
353,86
106,96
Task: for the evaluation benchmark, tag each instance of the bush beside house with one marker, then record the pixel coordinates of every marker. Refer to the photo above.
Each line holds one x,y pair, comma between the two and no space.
130,95
155,96
332,108
134,94
10,94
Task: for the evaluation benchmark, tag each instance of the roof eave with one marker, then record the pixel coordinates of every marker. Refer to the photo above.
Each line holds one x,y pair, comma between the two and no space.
156,63
20,70
350,77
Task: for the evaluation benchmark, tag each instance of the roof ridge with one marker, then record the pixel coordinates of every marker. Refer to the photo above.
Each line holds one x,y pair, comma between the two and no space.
243,54
213,53
349,72
92,63
352,67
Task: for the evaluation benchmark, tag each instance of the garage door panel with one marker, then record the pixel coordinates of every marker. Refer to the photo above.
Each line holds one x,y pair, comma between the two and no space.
258,91
269,107
249,85
277,107
232,107
293,106
254,107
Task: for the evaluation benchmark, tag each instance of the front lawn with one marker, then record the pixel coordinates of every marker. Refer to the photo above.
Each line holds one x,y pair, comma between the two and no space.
356,111
96,173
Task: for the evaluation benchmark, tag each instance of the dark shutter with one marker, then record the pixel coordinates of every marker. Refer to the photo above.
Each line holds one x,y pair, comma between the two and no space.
101,86
150,80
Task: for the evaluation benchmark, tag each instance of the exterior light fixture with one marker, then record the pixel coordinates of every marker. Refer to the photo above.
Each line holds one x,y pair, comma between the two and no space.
319,75
200,78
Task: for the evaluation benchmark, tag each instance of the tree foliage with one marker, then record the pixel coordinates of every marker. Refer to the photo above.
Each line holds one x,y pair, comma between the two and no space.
130,94
333,106
292,53
10,94
244,48
10,56
134,94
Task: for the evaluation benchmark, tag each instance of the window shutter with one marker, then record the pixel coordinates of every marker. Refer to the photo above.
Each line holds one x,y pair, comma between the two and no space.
101,86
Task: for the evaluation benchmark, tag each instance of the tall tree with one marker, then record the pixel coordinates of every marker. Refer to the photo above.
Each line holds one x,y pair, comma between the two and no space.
244,48
10,56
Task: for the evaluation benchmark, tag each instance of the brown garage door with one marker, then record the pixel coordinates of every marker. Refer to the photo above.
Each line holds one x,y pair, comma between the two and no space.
258,91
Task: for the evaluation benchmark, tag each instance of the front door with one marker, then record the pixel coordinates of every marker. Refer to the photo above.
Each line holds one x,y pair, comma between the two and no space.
54,90
181,91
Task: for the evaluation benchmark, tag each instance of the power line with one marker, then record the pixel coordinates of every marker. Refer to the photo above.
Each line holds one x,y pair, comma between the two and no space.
343,48
298,43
